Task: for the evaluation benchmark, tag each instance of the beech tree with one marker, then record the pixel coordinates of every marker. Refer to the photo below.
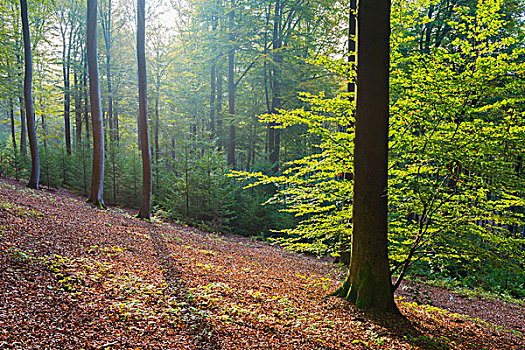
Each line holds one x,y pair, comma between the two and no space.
368,282
34,179
97,176
145,205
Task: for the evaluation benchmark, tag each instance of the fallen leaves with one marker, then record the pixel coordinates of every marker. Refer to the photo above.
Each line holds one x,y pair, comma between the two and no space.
72,276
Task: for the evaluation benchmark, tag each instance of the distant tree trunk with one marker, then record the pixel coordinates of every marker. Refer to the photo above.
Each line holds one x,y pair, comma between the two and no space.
78,113
274,137
23,128
213,82
212,100
86,100
220,132
34,179
368,284
344,253
66,69
231,90
13,132
145,206
106,27
97,177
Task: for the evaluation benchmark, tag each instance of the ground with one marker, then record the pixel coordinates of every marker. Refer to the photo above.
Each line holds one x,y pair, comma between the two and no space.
77,277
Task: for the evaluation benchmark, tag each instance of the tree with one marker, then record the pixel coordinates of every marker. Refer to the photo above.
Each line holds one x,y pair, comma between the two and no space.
34,179
231,87
368,283
145,206
97,176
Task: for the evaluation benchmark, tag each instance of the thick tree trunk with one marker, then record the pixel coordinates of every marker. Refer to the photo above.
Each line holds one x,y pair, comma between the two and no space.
145,206
368,283
97,177
34,179
231,92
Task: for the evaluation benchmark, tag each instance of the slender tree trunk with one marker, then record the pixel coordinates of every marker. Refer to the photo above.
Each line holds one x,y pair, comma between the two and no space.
86,100
231,90
212,100
213,80
145,206
78,113
97,177
220,132
34,179
157,125
108,40
344,254
274,141
13,132
23,128
368,283
66,69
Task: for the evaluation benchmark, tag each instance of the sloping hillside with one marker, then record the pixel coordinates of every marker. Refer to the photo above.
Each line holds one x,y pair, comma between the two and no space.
76,277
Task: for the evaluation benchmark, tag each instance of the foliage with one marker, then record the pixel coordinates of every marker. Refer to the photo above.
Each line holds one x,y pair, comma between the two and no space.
456,149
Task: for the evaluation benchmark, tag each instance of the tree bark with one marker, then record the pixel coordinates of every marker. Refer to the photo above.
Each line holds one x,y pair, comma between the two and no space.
13,132
219,130
106,26
145,206
66,69
368,284
78,113
274,142
23,128
34,180
97,177
231,90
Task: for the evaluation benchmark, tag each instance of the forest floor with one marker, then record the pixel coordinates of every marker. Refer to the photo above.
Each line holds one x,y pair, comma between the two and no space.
76,277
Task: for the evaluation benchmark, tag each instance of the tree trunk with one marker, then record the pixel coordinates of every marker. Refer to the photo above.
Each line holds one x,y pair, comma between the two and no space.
145,206
274,142
212,100
368,283
220,132
23,128
97,177
66,68
108,41
86,100
345,242
34,179
13,132
78,113
231,91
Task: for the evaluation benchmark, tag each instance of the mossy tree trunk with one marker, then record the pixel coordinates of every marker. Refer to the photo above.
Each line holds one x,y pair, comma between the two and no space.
368,284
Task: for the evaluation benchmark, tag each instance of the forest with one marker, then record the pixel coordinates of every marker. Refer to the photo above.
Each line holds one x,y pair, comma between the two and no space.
262,174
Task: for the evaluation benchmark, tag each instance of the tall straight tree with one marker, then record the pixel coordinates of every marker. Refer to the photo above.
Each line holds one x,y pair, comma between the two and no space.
231,87
145,204
34,179
368,283
97,176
